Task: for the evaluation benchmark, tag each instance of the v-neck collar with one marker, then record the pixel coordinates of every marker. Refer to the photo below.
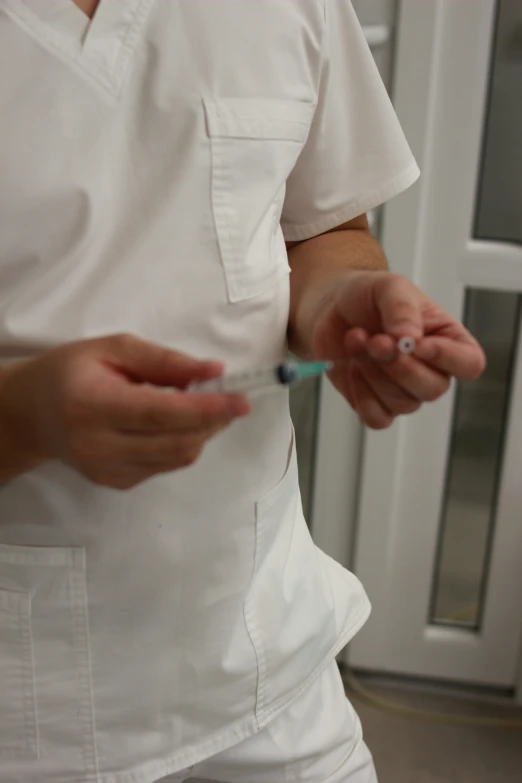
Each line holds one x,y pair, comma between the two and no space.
64,16
100,48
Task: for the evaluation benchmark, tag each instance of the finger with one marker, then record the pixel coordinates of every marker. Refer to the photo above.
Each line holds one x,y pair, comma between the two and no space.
464,359
382,348
355,342
392,397
369,408
330,343
167,451
147,362
145,409
114,451
127,477
341,378
417,379
400,305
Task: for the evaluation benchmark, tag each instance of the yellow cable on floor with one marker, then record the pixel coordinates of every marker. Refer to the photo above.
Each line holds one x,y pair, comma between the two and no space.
353,684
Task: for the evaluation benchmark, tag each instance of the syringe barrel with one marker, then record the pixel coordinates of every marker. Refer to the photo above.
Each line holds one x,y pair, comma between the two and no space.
247,382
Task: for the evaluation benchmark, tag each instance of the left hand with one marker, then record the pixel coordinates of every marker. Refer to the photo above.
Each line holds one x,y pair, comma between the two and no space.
368,314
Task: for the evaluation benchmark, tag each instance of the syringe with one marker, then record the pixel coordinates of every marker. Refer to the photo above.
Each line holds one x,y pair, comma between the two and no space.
287,373
259,381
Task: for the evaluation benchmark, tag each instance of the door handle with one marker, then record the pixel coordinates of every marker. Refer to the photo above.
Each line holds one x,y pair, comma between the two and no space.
376,34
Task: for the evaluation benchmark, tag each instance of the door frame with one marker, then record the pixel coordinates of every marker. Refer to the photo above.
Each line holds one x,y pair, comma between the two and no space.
425,36
518,691
336,476
338,449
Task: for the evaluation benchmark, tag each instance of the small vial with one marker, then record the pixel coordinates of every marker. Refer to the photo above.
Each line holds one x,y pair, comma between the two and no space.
406,345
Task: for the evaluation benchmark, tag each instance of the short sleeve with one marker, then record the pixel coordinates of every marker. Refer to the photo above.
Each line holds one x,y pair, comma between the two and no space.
356,156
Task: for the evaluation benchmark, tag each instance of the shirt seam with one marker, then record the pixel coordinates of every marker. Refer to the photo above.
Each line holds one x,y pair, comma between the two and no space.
248,727
108,84
352,208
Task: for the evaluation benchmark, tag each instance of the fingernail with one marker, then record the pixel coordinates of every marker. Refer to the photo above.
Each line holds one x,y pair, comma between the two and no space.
233,411
383,358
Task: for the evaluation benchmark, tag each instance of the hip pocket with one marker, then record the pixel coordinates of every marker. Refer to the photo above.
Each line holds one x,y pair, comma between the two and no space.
290,609
255,144
46,705
18,727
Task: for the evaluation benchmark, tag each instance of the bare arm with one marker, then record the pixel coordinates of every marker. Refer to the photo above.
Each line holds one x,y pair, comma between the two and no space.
318,265
346,305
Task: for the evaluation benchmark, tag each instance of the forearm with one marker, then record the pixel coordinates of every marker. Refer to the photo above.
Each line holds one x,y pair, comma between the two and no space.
318,265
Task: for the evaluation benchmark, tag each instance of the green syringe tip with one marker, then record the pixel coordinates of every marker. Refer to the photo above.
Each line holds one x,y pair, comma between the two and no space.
312,369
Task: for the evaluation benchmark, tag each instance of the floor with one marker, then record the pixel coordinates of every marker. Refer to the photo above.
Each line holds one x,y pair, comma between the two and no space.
409,750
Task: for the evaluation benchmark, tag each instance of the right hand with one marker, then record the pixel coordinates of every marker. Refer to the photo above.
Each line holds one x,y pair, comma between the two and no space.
90,405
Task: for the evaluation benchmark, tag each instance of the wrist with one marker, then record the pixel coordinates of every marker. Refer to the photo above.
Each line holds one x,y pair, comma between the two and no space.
316,304
19,450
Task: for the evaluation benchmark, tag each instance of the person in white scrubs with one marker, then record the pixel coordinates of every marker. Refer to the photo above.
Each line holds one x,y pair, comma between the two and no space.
164,166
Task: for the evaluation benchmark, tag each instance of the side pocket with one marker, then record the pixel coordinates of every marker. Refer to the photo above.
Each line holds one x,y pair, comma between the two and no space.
290,609
46,709
18,723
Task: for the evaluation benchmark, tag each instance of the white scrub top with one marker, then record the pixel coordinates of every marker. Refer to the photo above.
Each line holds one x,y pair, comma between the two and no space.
152,164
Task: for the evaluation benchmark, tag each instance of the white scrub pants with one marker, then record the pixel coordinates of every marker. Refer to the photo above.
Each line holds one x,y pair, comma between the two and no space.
318,739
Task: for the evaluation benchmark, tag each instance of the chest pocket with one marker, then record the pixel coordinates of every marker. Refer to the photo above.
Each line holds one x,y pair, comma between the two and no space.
255,145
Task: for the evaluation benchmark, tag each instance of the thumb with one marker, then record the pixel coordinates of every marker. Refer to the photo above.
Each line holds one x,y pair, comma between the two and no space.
400,305
147,362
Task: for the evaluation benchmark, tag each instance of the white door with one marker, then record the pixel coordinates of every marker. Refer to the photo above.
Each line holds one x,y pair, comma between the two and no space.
439,541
